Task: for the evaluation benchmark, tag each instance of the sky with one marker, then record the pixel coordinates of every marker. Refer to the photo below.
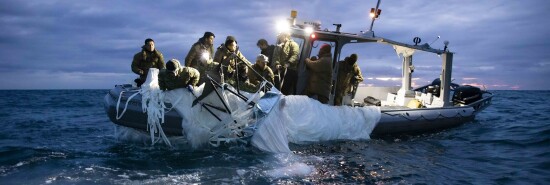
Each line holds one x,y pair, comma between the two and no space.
68,44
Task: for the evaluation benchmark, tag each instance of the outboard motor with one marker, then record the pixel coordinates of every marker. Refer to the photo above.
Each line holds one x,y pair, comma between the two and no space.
435,87
466,95
371,101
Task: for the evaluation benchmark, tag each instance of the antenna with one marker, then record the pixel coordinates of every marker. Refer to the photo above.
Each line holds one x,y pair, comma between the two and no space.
337,27
435,39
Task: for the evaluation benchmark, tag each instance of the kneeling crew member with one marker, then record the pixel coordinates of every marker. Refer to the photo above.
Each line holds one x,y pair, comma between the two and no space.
175,76
263,71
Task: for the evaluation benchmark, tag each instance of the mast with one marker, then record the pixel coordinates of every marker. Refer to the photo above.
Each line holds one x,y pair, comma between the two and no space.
447,70
407,73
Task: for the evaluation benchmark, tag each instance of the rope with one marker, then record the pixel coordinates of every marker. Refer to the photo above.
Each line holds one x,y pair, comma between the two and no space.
153,114
125,105
229,129
173,103
152,105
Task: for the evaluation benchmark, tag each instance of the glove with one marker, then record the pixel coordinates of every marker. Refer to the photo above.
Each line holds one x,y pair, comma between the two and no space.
204,61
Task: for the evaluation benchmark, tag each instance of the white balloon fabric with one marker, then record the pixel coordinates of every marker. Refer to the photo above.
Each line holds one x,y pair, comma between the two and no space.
293,119
302,120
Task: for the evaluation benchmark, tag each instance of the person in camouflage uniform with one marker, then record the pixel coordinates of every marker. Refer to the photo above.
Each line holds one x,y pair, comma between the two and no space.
201,54
148,57
228,56
263,71
320,75
349,74
285,60
175,76
226,59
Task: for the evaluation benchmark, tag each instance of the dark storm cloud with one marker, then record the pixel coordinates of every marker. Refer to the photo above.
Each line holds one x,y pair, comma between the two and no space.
495,41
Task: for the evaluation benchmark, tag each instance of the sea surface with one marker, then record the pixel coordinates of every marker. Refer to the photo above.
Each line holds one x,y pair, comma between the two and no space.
65,137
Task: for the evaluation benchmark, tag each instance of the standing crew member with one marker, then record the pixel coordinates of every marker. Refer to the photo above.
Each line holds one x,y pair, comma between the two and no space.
200,54
285,59
349,74
226,58
320,76
148,57
266,50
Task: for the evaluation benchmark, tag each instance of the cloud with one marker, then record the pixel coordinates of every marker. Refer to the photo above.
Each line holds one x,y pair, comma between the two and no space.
494,42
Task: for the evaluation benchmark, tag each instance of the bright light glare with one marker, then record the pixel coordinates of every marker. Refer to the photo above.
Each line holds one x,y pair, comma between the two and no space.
371,15
308,30
205,55
283,26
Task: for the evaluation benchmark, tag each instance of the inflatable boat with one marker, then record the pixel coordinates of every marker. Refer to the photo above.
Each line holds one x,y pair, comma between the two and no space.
394,119
400,109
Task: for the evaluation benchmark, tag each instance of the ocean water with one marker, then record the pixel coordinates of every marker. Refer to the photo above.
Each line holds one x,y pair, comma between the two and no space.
65,137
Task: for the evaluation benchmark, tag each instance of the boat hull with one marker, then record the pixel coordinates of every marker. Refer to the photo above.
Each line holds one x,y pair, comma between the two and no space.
421,120
397,120
134,117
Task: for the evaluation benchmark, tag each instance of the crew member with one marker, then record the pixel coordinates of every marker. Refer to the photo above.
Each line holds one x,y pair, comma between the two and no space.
226,59
200,54
349,75
261,71
175,76
228,56
148,57
266,50
285,59
320,75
